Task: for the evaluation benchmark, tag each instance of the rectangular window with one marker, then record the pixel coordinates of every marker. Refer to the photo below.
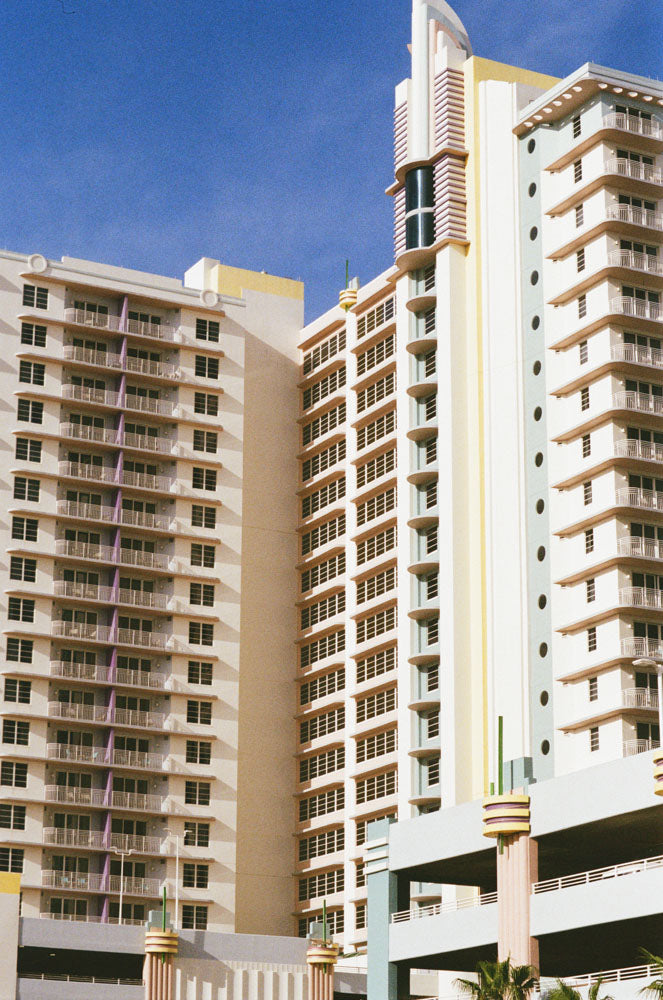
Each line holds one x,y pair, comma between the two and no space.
376,318
323,572
11,859
319,649
12,817
577,171
201,634
197,793
378,624
204,479
30,411
20,650
323,497
33,335
323,424
35,298
586,445
196,834
577,127
323,460
590,590
205,441
589,540
203,517
22,569
376,665
15,732
322,686
321,725
375,546
202,555
324,533
582,306
20,609
25,528
375,355
594,738
376,392
375,468
591,639
31,372
18,691
26,489
580,215
584,398
325,387
14,775
28,450
207,329
583,352
376,787
580,259
322,610
199,712
200,673
205,403
206,367
376,704
323,352
593,688
198,753
370,433
194,918
201,593
587,492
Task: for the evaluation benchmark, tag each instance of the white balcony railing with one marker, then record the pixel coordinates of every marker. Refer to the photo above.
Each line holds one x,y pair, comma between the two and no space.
140,678
635,261
75,796
58,837
86,713
142,720
93,882
643,402
136,801
146,404
149,560
638,647
650,128
638,308
106,474
632,747
647,451
145,519
83,591
624,975
636,171
646,548
141,845
81,630
103,674
137,759
635,216
148,442
132,637
100,755
158,369
417,913
631,496
641,597
86,511
80,470
101,321
87,394
598,875
101,359
650,356
146,481
85,918
83,432
639,698
84,550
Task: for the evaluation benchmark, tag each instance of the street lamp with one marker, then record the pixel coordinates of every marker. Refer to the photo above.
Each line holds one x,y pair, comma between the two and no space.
177,874
656,661
118,850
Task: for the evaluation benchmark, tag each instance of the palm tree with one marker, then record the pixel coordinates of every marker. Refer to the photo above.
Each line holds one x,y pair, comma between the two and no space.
499,981
562,991
655,988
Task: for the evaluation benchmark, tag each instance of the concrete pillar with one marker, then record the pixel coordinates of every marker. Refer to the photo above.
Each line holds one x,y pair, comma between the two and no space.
160,951
386,895
10,889
517,869
321,958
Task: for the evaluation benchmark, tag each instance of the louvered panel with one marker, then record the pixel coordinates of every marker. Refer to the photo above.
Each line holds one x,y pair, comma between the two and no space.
399,222
449,109
400,135
450,198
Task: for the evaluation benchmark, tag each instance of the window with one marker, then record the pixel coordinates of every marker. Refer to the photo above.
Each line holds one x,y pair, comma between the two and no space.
35,297
376,392
377,745
319,649
28,450
584,398
370,321
323,497
20,609
321,725
432,724
583,353
199,712
33,335
430,451
432,771
591,639
376,704
26,489
432,631
204,479
375,546
376,665
202,555
378,624
325,763
200,673
580,215
196,834
31,372
201,633
12,817
577,171
207,329
587,492
324,351
195,876
30,411
205,441
20,650
15,732
321,610
335,922
594,738
322,843
593,688
580,259
323,424
11,859
590,588
375,468
375,355
197,793
198,753
321,805
205,403
431,495
25,528
323,460
22,569
206,367
376,430
201,593
194,918
324,388
324,533
18,691
577,127
374,586
203,517
376,787
582,306
589,540
14,775
323,572
431,586
314,886
586,445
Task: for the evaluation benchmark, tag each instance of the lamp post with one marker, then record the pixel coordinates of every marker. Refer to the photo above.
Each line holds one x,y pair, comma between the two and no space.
176,837
656,661
124,854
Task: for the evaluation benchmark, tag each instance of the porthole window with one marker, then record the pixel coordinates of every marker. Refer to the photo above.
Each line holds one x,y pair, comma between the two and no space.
531,190
533,233
536,367
534,278
543,600
544,698
540,506
531,145
541,553
545,748
538,459
543,650
538,413
536,322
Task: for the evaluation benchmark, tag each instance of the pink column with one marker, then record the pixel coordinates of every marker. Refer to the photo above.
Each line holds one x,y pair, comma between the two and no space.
517,869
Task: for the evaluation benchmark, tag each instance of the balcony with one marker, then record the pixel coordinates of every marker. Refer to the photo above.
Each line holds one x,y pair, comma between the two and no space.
86,511
635,216
643,450
100,755
100,359
136,801
86,394
58,837
115,324
163,407
81,630
104,674
631,496
644,262
109,595
109,359
78,712
96,473
643,698
155,369
641,597
141,720
92,882
143,519
649,129
420,912
85,918
642,402
637,308
632,747
598,874
635,171
81,432
645,548
640,647
108,554
650,356
148,442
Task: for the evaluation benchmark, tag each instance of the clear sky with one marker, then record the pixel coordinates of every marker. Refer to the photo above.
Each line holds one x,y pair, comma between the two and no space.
150,133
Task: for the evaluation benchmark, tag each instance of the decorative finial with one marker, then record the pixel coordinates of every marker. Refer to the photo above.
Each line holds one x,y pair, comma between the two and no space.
347,298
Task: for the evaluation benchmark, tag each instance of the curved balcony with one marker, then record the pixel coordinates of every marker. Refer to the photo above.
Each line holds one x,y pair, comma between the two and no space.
637,647
633,216
633,170
624,305
641,597
632,747
102,674
648,129
643,262
651,357
642,548
640,698
645,451
87,394
630,496
643,402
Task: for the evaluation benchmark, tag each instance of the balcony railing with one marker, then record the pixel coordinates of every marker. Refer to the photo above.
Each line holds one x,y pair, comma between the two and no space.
635,261
106,553
650,356
86,713
86,511
149,560
635,216
100,321
417,913
81,630
598,875
147,442
143,720
632,747
639,698
85,918
135,758
92,882
136,801
132,637
647,548
645,450
643,402
100,755
146,404
159,369
146,481
641,597
104,674
97,840
86,394
80,470
639,308
145,519
102,359
109,595
640,647
82,432
637,171
650,128
631,496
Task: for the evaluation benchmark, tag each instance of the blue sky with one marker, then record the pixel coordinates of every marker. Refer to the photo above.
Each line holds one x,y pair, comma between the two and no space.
150,133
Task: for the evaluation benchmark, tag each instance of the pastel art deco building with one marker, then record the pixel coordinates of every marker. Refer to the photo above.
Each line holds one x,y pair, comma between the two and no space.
147,539
480,497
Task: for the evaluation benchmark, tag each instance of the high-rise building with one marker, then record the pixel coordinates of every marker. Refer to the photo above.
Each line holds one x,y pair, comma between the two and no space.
480,445
148,591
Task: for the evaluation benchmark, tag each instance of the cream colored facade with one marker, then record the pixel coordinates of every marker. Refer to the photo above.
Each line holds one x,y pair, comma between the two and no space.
147,591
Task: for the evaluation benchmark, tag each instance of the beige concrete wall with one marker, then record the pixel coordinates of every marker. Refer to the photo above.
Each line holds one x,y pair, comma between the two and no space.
10,887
